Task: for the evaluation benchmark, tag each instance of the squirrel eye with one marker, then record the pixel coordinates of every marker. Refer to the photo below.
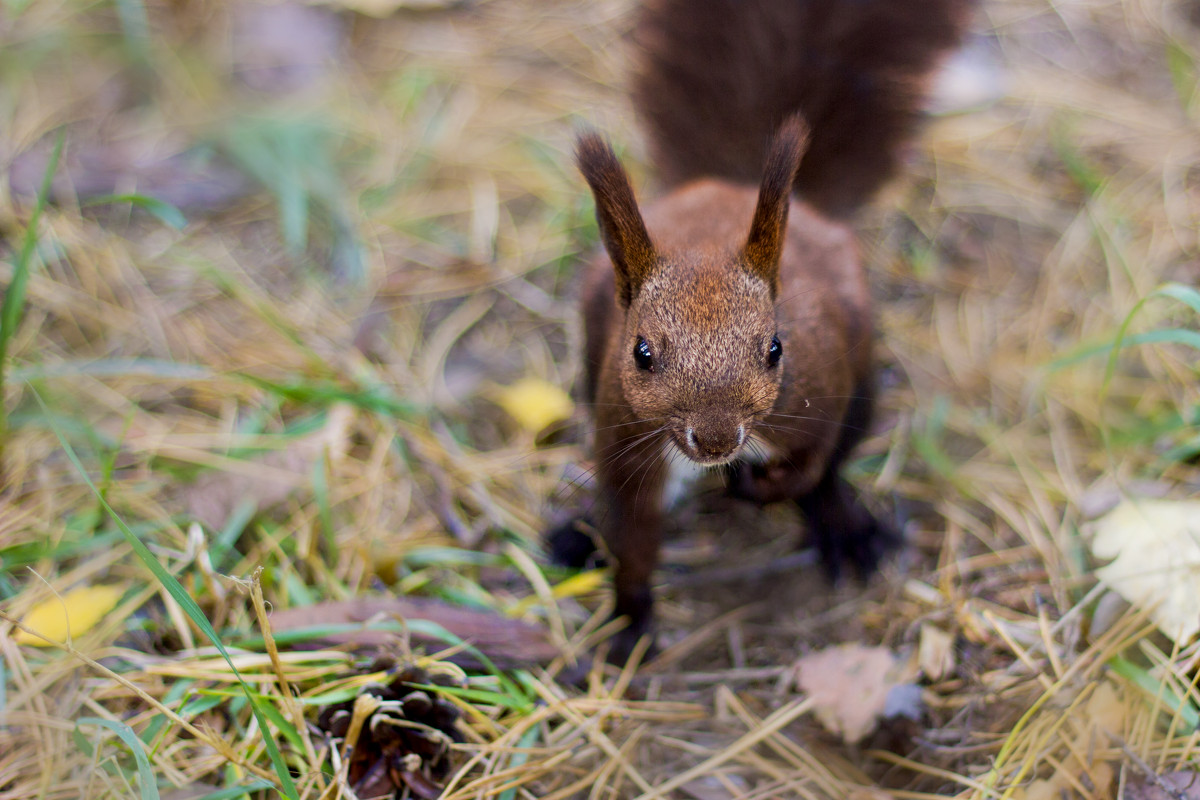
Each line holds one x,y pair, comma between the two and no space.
642,355
774,352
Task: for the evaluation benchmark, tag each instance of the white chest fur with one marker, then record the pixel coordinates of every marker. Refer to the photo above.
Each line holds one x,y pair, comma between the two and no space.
683,473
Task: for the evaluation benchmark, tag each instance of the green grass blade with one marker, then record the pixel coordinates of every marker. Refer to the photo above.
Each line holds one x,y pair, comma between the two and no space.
277,719
483,696
234,792
520,757
1182,68
161,210
318,701
320,490
145,774
1184,451
115,368
377,400
189,606
431,556
135,25
1154,688
1185,336
1082,171
1187,295
435,631
301,635
14,296
156,726
1163,336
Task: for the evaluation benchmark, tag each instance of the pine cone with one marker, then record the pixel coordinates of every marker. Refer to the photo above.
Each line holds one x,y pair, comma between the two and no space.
405,743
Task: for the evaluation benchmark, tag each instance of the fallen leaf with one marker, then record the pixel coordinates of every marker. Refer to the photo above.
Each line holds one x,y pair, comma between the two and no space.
506,642
70,614
849,686
535,403
1155,550
935,652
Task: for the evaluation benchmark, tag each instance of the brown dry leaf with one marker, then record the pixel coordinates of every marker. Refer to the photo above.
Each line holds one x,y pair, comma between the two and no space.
849,685
1155,550
70,614
506,642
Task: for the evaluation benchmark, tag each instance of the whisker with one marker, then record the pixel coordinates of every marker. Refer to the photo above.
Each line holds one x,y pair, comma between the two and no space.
823,421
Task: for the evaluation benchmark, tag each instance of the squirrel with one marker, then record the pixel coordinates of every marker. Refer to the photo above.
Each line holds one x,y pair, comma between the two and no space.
728,324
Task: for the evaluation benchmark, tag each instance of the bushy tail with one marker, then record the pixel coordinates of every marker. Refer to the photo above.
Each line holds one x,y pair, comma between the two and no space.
716,77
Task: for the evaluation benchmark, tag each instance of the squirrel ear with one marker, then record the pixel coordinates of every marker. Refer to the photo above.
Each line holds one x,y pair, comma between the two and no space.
765,244
621,226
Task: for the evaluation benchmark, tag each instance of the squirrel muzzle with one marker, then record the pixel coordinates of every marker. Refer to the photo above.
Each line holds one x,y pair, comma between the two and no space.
711,436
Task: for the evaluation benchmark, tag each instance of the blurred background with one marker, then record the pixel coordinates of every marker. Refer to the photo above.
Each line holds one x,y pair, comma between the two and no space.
300,297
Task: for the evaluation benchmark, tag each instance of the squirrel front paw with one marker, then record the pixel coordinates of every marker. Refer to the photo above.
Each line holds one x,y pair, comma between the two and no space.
571,544
638,607
845,533
861,545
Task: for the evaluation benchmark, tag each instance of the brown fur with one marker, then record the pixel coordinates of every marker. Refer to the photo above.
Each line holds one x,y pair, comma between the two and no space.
681,314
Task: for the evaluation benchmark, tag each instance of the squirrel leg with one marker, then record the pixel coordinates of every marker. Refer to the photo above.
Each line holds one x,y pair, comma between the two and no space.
845,532
632,530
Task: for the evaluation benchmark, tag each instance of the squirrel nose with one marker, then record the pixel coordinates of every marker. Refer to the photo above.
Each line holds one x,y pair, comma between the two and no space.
707,442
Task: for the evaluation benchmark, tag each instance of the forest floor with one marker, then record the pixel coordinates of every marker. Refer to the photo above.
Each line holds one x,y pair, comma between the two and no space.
258,347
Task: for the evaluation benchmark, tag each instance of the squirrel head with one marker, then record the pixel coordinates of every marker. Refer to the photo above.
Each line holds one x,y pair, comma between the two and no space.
698,350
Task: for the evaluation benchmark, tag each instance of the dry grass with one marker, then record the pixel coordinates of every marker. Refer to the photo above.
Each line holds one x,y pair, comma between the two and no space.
354,408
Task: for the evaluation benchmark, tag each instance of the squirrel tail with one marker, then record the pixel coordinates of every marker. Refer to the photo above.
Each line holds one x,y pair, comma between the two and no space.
715,78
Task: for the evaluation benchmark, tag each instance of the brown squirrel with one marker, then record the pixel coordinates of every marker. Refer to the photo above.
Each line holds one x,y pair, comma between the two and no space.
738,331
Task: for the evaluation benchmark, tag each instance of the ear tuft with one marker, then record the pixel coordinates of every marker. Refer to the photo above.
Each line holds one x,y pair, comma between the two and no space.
765,243
621,226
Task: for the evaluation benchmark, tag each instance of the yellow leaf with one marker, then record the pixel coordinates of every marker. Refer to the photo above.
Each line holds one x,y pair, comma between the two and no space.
534,403
574,586
582,583
83,606
1155,550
